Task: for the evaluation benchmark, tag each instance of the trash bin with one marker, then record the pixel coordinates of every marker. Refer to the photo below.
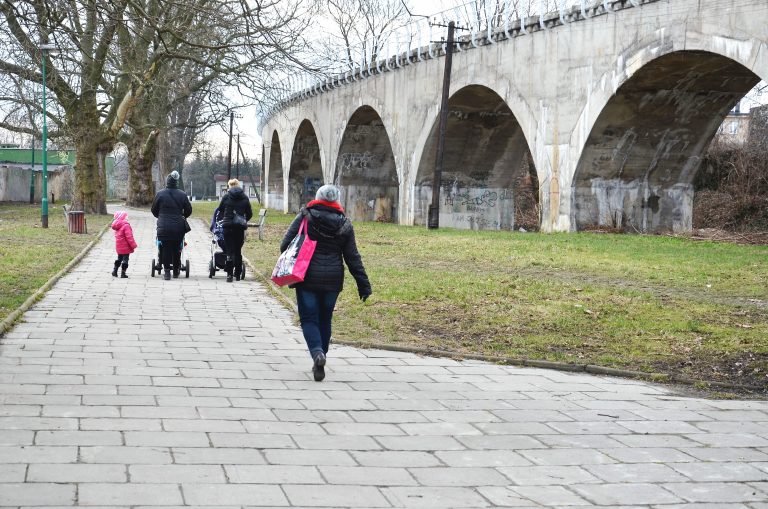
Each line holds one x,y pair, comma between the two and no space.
76,221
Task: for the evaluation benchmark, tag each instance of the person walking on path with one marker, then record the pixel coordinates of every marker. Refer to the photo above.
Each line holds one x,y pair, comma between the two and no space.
234,212
316,295
125,244
171,207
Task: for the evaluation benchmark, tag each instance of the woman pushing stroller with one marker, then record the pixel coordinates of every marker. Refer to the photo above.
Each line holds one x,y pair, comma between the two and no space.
171,207
234,213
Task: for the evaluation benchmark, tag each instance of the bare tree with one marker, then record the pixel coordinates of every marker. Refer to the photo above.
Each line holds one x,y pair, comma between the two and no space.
360,26
112,53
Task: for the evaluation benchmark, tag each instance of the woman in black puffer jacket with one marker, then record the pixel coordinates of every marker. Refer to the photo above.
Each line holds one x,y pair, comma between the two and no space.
171,206
316,295
234,200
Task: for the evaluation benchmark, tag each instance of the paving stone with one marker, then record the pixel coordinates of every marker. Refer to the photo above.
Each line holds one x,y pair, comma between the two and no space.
458,476
549,475
330,495
716,492
434,497
165,439
395,458
301,457
78,438
177,474
498,458
129,494
37,494
421,443
78,473
38,454
273,474
550,495
720,471
647,455
368,476
12,473
636,473
258,440
125,455
336,442
566,457
233,494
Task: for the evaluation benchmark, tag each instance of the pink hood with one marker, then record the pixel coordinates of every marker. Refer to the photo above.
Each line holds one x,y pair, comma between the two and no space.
121,218
124,241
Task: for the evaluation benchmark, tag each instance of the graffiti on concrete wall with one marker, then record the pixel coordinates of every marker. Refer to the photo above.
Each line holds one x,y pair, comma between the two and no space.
360,161
475,208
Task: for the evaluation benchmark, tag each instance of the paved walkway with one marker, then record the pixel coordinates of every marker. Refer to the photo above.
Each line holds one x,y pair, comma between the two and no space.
144,392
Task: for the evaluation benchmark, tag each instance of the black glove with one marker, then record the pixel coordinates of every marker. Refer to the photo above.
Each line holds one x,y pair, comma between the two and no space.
364,295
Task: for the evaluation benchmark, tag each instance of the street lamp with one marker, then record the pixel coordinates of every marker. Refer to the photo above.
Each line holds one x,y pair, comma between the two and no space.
45,50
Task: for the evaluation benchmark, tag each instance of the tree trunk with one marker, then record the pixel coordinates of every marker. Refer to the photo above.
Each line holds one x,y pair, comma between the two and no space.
141,156
90,184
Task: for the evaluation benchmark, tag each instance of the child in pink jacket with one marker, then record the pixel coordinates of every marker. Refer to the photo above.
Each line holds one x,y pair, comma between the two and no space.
124,242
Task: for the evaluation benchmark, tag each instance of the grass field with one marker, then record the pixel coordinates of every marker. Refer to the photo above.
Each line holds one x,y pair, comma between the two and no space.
30,255
649,303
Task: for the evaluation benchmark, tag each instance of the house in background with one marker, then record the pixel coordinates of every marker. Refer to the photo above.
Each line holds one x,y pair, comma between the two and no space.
251,187
735,128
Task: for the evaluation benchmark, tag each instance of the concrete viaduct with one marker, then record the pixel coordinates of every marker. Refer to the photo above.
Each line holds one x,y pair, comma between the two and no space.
574,121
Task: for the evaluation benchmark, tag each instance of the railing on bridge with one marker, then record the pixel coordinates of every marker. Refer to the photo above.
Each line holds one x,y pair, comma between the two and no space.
483,22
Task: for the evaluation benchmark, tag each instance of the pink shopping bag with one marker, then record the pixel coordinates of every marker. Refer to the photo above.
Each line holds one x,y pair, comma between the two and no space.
291,266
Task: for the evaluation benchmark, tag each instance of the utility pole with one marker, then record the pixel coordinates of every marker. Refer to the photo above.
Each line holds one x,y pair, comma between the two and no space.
237,158
229,155
433,221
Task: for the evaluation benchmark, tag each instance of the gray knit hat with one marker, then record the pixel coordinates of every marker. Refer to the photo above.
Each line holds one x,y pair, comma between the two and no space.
328,192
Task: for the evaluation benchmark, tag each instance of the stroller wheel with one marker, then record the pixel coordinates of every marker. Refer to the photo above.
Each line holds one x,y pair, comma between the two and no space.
186,269
211,269
153,268
242,272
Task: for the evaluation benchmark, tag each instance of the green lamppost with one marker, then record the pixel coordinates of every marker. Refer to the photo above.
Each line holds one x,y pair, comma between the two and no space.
45,49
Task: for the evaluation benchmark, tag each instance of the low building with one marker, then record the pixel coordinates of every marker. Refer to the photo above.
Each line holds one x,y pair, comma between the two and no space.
21,173
251,187
735,128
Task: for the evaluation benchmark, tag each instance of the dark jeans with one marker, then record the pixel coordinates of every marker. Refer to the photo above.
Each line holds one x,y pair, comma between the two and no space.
122,260
170,252
316,314
234,238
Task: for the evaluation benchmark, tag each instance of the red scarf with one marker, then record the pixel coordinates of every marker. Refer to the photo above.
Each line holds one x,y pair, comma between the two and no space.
332,204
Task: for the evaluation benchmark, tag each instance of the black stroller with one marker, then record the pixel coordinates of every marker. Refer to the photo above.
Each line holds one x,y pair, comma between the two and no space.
157,266
218,259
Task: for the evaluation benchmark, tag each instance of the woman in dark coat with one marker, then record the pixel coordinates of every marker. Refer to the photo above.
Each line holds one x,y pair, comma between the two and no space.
316,295
171,207
234,200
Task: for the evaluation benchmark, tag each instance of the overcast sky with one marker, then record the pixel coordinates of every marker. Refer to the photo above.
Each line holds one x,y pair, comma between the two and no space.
246,125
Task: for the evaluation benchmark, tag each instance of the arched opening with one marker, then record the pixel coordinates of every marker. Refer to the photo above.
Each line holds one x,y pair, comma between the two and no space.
636,172
365,169
274,189
489,179
306,173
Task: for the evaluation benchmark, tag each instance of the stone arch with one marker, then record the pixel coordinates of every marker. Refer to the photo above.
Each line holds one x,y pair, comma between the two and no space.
489,177
366,170
642,150
274,184
305,174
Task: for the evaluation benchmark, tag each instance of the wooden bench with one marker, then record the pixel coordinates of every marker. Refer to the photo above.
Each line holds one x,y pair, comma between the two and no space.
260,223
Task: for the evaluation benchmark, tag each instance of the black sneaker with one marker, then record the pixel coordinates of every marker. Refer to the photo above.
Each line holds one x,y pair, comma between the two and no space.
229,279
318,368
167,275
